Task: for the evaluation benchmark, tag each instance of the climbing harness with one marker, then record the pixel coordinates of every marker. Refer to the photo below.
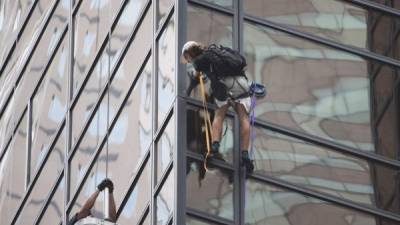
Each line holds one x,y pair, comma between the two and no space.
207,121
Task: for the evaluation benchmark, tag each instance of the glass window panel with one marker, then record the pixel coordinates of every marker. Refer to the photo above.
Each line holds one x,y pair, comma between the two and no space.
26,41
37,63
49,106
130,139
333,103
210,192
192,221
163,7
165,148
196,140
47,179
96,175
147,220
131,65
323,170
333,19
223,3
54,212
165,200
166,71
90,142
126,22
92,23
7,122
269,205
209,27
14,173
138,199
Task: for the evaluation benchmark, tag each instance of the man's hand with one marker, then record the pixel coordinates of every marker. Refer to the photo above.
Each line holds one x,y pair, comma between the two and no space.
106,183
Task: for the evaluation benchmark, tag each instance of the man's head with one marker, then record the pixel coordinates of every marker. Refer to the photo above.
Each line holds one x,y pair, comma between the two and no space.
191,50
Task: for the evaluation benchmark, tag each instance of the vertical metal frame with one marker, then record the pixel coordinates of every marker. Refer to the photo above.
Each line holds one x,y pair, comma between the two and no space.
154,117
179,159
28,143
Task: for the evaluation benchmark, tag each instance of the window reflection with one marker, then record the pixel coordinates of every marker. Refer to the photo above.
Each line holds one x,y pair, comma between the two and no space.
138,199
165,200
211,192
162,10
193,221
166,71
165,148
269,205
317,168
196,139
329,94
131,136
223,3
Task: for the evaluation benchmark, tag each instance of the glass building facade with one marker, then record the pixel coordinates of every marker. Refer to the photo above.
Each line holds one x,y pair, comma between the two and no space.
94,88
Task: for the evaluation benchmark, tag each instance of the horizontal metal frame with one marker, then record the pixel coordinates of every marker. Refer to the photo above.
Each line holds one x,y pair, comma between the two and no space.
375,6
49,198
20,71
211,6
104,138
19,34
38,172
214,162
119,60
134,182
207,217
325,197
315,140
47,66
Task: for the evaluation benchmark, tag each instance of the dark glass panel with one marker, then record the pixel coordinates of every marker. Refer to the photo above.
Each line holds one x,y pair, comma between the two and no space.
196,140
211,192
329,89
268,205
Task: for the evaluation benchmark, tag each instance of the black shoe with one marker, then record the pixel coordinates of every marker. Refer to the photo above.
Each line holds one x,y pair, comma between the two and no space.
247,162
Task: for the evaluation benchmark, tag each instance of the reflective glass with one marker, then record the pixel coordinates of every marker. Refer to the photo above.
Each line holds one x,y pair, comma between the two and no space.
138,199
196,138
147,220
7,124
47,179
210,192
23,47
166,71
333,19
12,14
126,22
223,3
268,205
12,186
54,212
209,27
130,139
163,7
90,142
92,23
49,106
332,103
165,200
96,175
315,167
165,148
192,221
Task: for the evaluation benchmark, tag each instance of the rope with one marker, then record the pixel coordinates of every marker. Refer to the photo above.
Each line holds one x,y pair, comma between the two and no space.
207,121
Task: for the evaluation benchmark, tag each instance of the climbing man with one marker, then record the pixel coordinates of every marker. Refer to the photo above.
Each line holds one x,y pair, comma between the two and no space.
85,211
224,67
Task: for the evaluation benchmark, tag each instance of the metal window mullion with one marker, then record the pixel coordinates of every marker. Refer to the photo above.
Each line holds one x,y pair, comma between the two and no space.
207,217
270,180
28,145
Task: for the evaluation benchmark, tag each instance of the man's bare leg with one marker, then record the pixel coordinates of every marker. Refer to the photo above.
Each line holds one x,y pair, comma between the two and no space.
217,122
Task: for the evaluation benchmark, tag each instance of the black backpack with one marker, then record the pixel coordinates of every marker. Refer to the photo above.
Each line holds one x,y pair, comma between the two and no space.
226,61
